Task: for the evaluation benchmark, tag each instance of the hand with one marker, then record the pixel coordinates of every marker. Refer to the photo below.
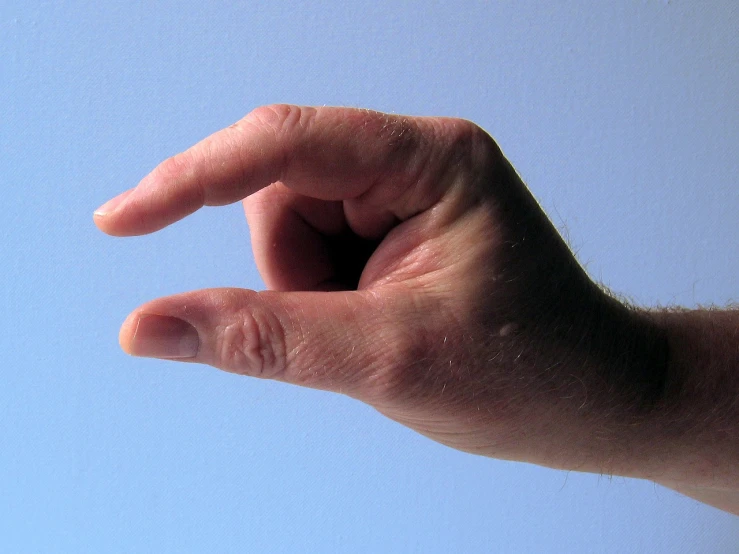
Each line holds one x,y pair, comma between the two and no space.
411,269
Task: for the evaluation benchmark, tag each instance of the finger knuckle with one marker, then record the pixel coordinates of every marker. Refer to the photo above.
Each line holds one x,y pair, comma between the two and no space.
469,144
280,118
253,344
174,168
401,135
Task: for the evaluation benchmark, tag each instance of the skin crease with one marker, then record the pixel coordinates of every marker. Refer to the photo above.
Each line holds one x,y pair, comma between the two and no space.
410,268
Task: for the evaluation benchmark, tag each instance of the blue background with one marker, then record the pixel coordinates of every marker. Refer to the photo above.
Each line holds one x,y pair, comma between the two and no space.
621,116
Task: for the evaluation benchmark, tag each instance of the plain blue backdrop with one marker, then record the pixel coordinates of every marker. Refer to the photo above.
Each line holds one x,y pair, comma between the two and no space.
621,116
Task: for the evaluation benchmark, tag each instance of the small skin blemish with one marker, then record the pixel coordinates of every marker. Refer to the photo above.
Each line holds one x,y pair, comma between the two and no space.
507,329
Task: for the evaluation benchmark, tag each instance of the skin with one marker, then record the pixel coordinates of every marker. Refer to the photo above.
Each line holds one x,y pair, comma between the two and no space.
410,268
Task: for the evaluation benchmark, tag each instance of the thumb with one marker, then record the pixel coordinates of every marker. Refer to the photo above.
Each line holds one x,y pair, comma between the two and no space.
325,340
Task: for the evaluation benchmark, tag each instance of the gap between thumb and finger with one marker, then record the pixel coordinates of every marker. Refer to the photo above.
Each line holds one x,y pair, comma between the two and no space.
338,341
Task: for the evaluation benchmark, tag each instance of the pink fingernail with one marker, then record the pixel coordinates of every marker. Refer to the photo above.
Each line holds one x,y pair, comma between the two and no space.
111,205
159,336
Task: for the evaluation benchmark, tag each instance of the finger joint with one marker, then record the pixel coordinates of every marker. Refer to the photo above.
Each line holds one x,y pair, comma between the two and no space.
254,345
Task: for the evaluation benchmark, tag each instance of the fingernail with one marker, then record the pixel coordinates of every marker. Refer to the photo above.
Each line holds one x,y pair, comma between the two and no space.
112,204
159,336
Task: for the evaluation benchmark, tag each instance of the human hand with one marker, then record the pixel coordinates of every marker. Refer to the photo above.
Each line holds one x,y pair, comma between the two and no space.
411,269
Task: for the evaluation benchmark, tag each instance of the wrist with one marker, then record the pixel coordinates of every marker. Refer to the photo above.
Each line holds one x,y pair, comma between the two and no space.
700,418
604,414
659,399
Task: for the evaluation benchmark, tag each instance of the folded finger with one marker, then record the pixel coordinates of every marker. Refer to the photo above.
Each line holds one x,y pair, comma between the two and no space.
382,163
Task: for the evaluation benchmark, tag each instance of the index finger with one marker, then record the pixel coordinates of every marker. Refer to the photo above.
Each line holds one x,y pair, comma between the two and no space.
326,153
